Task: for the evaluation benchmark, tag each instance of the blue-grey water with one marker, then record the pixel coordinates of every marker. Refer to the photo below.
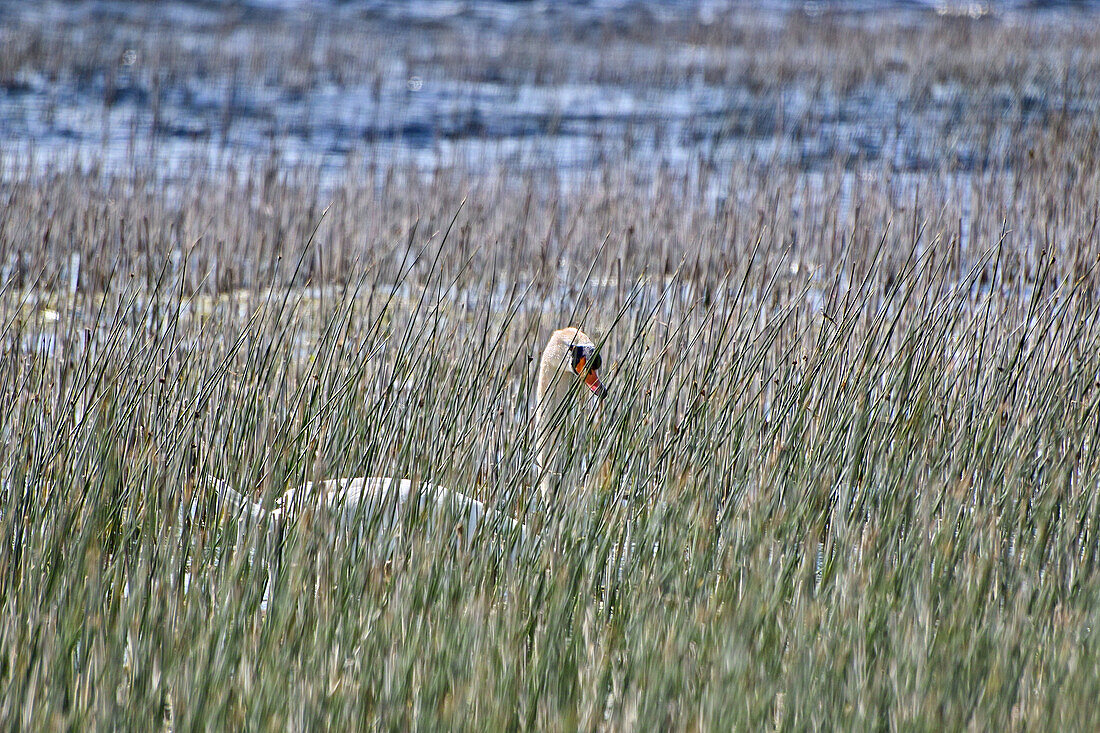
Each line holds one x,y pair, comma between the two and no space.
105,105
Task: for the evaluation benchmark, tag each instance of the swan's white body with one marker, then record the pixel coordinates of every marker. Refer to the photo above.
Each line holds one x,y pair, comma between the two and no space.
378,500
382,499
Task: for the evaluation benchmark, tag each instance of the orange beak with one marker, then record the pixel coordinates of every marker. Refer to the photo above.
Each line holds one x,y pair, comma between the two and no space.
594,384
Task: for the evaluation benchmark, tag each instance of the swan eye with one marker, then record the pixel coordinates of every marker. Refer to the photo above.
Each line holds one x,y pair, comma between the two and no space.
578,359
585,359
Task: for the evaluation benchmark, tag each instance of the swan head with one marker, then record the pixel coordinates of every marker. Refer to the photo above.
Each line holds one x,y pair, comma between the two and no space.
571,353
569,370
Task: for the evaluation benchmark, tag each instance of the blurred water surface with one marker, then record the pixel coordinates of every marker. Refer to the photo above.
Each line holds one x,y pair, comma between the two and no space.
558,87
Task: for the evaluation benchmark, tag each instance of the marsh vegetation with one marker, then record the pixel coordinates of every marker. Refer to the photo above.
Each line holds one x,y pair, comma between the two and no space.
846,474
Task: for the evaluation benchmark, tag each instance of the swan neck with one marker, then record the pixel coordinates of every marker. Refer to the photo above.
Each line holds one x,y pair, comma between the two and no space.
542,425
547,399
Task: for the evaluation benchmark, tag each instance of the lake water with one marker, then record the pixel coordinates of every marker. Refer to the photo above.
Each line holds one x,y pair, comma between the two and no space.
104,103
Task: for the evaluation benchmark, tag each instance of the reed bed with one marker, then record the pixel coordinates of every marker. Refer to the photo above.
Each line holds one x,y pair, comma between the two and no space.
846,475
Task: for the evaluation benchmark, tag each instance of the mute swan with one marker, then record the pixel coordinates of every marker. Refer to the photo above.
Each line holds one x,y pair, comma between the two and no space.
569,357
